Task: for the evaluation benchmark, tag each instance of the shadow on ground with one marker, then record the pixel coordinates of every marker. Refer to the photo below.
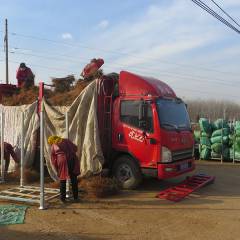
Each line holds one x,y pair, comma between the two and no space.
10,234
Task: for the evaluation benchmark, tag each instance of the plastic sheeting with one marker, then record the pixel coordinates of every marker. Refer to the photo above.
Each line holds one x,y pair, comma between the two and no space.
12,214
12,131
83,130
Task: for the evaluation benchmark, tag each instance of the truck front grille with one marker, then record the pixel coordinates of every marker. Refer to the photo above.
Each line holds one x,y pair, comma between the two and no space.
182,155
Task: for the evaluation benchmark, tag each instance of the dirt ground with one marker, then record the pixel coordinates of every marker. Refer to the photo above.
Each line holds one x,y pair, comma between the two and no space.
210,213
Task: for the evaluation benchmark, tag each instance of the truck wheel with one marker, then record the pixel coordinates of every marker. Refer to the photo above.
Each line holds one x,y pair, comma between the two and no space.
127,172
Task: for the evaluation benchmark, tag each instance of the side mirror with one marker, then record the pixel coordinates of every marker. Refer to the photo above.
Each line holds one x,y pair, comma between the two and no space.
142,114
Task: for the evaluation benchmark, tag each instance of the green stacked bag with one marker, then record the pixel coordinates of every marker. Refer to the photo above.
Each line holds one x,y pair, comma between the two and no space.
235,150
220,139
205,153
205,143
220,132
219,124
237,129
205,126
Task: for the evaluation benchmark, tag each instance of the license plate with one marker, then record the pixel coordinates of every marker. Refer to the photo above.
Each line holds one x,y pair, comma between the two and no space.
183,166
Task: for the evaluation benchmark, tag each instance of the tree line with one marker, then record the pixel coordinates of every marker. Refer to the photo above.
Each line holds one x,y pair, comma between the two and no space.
213,110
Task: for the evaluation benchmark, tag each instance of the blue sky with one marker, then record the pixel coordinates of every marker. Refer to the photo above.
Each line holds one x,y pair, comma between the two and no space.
174,41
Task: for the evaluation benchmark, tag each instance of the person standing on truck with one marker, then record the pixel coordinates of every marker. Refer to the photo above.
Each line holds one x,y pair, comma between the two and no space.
66,163
9,151
25,77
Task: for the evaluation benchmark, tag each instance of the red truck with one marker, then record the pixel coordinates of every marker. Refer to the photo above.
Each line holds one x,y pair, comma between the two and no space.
144,129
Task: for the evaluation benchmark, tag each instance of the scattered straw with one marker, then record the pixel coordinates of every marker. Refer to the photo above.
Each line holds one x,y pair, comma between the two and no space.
67,98
56,98
29,176
99,187
53,184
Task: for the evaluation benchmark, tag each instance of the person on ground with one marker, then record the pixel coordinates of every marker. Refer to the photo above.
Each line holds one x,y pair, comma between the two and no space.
9,151
25,77
66,163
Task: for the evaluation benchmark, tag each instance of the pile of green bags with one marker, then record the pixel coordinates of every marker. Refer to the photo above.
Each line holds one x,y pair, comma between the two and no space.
218,139
205,143
235,140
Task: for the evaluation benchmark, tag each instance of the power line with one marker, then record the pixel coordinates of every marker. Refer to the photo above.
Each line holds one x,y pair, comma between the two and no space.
182,89
225,13
119,53
64,70
45,67
134,69
184,76
214,14
70,59
163,73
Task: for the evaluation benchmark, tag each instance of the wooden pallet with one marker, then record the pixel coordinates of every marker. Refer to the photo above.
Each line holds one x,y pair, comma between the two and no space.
29,194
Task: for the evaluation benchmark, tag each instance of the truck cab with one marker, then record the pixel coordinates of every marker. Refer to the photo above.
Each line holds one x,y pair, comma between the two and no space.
144,129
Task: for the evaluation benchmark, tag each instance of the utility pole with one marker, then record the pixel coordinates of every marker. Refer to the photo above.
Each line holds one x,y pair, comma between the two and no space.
6,48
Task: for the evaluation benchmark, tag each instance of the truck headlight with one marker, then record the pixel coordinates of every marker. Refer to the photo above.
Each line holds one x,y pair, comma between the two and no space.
166,155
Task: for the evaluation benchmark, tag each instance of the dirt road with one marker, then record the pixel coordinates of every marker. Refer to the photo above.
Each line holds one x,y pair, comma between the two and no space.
211,213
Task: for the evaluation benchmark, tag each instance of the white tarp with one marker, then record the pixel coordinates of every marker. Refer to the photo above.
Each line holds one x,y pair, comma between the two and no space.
83,130
12,130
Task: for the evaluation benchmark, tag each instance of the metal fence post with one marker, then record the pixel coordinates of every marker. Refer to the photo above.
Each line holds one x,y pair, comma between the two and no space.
42,200
67,137
22,150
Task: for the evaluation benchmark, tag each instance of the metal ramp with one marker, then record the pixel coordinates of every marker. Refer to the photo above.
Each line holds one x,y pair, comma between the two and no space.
183,189
30,194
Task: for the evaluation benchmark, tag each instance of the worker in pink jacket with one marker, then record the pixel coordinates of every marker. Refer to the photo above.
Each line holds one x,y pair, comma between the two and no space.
66,163
25,77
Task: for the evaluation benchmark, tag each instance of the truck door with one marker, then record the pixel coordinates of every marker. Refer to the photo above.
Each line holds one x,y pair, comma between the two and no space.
135,135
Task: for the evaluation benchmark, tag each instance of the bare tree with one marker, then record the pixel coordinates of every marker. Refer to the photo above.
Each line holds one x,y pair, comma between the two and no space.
213,109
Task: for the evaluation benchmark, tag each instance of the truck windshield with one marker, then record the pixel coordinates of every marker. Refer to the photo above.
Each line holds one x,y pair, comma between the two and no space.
173,114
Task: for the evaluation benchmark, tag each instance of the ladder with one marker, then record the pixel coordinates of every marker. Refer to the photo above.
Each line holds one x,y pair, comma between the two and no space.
107,123
184,188
105,117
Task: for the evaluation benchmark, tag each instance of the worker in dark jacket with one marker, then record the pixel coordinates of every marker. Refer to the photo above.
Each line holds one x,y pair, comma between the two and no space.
9,151
65,161
25,77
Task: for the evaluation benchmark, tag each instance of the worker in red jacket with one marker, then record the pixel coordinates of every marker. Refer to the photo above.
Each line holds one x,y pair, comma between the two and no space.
25,77
66,163
9,151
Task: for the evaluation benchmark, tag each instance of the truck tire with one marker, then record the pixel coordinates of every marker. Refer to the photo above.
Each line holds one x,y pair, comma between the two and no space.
127,172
